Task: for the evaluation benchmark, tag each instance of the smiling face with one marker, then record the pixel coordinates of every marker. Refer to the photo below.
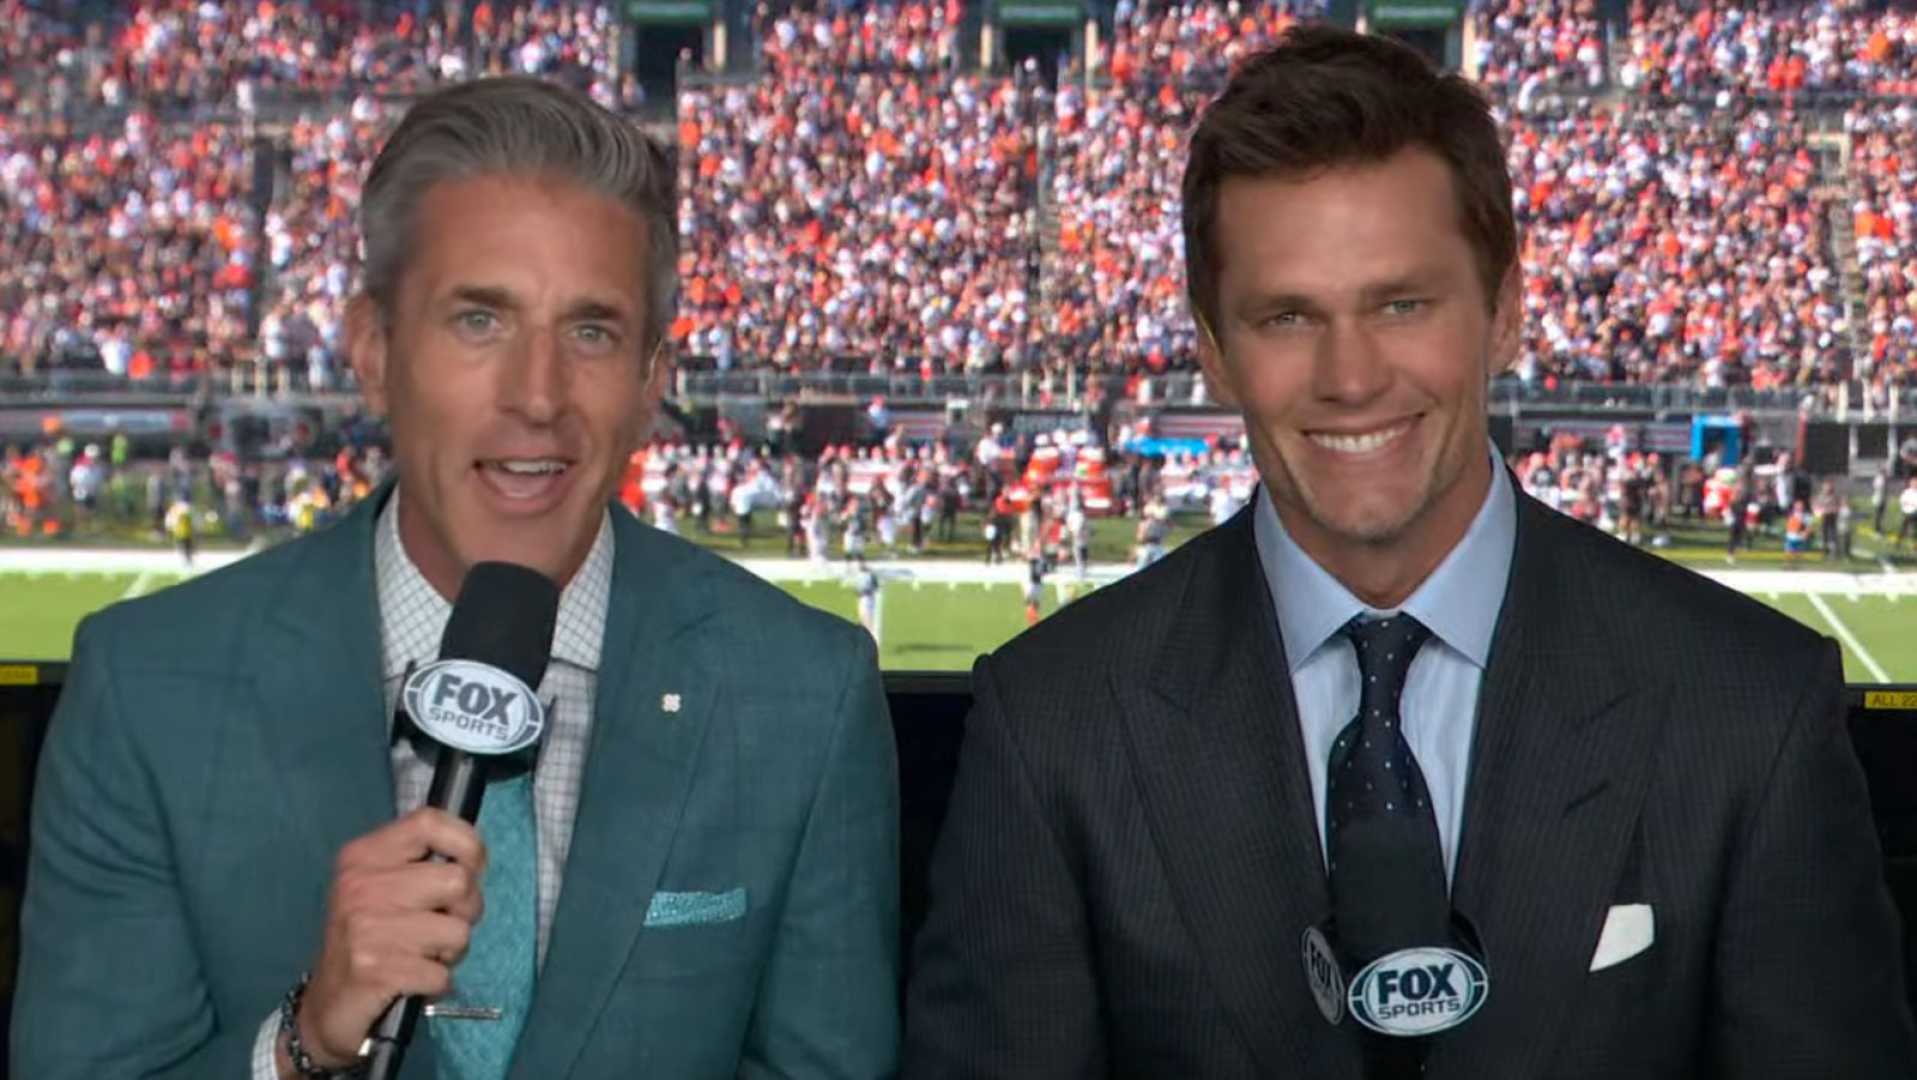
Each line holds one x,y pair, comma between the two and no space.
512,372
1355,336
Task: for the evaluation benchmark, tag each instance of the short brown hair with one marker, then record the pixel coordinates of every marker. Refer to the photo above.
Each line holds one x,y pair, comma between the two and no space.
1324,97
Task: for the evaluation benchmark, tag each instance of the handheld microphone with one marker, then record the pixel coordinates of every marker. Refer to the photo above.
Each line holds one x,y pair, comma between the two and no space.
478,702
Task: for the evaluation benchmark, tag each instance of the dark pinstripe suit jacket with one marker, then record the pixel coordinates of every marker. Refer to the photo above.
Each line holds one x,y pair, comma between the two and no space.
1130,859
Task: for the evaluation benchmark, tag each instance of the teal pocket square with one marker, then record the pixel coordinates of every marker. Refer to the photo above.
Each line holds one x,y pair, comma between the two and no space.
695,908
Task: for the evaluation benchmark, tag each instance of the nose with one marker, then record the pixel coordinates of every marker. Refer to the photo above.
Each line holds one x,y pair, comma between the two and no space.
1348,367
533,382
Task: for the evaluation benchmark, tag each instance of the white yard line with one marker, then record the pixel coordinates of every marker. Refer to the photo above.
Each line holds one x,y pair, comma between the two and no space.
1849,639
140,585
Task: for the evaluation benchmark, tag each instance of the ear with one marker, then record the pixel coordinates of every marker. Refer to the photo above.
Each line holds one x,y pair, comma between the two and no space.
655,376
366,348
1507,322
659,363
1211,360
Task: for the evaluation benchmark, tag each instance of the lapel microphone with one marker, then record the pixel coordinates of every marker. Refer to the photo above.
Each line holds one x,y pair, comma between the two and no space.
478,706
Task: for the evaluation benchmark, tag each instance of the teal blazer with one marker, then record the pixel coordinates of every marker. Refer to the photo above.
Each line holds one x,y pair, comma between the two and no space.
730,901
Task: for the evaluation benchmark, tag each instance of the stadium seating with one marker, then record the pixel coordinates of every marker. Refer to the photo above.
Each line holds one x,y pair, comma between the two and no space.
1785,49
866,203
1530,50
1884,172
863,202
128,248
1661,246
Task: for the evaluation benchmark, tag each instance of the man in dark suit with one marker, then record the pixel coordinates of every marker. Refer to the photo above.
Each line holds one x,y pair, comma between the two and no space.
1398,772
698,876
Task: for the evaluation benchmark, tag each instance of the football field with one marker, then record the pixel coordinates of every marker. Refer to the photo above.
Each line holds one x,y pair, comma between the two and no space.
939,615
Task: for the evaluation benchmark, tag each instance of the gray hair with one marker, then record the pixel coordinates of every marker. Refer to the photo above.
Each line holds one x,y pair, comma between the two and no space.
518,126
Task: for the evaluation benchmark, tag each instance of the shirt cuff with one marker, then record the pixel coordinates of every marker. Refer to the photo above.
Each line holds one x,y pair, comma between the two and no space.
266,1049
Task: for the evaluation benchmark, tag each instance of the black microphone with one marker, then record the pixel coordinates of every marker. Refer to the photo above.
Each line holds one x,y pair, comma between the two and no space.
478,704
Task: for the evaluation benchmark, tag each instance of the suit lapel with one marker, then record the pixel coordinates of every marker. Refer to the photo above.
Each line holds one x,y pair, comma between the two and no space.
322,710
1220,762
1557,775
320,698
639,769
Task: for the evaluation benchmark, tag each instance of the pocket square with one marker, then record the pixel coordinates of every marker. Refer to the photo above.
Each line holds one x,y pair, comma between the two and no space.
1629,929
695,908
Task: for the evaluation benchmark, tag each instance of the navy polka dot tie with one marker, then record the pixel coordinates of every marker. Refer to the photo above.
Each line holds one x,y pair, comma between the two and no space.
1388,888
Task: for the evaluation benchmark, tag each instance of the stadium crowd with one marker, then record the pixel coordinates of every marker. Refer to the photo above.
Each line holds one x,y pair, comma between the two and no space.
230,56
862,200
1113,285
1734,48
1668,247
130,247
311,237
1530,50
866,203
1884,168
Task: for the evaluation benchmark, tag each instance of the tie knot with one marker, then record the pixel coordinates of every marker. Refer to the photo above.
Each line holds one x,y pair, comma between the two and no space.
1385,649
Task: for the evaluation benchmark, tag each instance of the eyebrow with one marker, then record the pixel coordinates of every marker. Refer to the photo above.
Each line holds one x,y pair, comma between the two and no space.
481,295
501,298
1408,283
1412,282
596,310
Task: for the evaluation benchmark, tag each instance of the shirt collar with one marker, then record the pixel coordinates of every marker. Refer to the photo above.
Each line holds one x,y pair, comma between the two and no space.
413,615
1459,602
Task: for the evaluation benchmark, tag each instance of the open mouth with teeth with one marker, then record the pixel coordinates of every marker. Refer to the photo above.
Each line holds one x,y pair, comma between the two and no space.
1367,442
524,479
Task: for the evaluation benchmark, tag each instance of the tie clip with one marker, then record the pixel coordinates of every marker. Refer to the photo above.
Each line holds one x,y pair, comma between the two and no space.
464,1012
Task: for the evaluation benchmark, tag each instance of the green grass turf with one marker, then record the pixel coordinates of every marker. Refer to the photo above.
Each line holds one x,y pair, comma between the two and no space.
38,611
1887,630
1702,545
933,626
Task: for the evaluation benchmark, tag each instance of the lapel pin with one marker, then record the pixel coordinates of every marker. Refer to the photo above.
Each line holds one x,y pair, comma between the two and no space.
670,703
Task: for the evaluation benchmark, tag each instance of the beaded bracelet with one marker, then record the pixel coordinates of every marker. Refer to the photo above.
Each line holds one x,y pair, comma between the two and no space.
303,1062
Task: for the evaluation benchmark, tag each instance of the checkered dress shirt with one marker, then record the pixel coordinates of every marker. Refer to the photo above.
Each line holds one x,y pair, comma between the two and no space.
412,619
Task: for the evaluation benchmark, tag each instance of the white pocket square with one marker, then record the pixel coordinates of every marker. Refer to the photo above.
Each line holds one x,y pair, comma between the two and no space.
1629,929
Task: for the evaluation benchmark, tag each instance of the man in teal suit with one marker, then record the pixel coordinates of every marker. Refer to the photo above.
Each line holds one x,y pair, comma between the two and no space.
227,872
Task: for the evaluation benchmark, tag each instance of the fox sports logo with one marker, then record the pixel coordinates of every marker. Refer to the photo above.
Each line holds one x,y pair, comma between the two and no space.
1419,991
474,707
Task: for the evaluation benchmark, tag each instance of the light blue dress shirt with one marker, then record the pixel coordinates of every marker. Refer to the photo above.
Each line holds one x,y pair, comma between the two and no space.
1459,603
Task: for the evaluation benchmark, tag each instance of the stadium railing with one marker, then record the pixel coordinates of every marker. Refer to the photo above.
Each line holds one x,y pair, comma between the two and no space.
697,381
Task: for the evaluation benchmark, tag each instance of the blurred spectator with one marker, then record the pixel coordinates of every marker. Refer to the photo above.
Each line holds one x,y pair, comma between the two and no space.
860,202
312,233
1530,50
1660,248
227,55
865,204
1115,275
1884,171
127,250
1730,49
